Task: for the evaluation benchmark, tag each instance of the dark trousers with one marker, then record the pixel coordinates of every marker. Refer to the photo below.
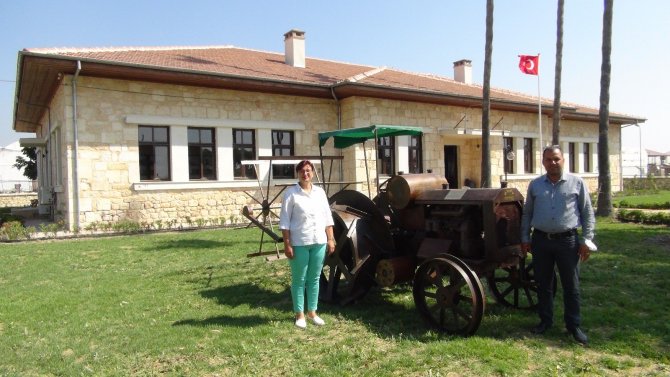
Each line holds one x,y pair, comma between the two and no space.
561,253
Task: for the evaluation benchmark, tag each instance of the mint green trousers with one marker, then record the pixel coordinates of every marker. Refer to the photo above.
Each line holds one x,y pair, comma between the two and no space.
306,267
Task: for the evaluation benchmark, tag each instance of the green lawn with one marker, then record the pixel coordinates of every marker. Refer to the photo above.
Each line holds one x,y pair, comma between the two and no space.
644,200
191,303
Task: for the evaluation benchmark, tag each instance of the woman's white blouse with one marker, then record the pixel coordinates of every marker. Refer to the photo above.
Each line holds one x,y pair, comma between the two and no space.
305,215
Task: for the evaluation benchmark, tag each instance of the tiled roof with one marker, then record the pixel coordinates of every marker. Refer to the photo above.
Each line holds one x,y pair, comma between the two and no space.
246,69
655,153
224,60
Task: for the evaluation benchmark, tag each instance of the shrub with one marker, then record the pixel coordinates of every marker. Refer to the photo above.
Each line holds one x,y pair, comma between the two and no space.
8,217
637,216
127,226
14,230
51,228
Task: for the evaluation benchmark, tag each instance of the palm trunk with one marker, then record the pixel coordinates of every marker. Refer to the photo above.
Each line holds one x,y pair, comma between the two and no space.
556,125
486,98
604,176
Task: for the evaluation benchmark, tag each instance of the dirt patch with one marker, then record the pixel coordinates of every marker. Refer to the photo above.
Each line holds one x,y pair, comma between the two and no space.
662,240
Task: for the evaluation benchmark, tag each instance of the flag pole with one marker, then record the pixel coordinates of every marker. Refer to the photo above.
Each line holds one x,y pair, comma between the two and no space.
539,105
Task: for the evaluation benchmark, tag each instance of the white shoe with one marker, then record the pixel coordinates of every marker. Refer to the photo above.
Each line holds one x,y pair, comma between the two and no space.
301,323
317,320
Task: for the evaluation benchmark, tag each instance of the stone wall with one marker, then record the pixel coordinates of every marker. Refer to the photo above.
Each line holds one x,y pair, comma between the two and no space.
109,113
110,189
17,199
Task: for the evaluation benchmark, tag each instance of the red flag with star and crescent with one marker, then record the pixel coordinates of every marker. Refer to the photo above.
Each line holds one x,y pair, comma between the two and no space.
529,64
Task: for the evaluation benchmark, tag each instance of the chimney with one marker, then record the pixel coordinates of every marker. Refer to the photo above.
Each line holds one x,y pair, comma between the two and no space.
294,48
463,71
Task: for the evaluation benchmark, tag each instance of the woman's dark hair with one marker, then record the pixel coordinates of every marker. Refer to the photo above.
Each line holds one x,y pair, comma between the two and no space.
302,164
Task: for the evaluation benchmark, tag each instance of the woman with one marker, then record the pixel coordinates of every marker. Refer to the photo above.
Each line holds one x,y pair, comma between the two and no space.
307,227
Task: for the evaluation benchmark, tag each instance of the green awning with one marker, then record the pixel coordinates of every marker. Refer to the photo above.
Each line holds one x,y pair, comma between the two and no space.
351,136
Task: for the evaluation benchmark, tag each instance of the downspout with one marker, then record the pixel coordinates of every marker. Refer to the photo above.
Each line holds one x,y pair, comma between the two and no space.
620,158
75,157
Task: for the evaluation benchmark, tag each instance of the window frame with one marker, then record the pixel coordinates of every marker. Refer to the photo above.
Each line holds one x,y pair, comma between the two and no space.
283,171
528,157
415,154
243,172
153,156
508,146
586,152
384,144
202,146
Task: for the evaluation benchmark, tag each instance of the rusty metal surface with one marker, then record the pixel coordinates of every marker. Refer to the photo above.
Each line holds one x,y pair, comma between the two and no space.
449,295
395,270
403,189
443,240
469,196
362,238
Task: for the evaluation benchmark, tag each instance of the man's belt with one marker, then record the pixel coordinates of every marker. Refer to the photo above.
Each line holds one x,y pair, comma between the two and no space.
555,236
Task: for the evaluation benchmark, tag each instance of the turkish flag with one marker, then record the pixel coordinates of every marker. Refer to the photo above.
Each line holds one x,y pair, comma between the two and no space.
529,64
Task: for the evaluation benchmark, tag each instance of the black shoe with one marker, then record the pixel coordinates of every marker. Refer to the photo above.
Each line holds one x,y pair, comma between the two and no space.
541,328
579,336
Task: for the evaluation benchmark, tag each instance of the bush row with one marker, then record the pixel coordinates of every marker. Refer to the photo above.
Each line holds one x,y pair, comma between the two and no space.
650,182
626,204
637,216
13,228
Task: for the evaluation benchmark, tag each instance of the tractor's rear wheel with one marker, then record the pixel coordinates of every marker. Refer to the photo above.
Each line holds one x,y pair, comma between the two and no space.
449,295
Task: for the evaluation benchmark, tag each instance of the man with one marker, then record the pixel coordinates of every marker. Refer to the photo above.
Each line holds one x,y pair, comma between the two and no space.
557,204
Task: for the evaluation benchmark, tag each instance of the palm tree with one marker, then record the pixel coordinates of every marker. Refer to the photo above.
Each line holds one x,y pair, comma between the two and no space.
604,177
556,125
486,98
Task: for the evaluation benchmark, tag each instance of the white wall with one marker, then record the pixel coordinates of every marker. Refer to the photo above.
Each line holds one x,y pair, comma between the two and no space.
630,161
9,175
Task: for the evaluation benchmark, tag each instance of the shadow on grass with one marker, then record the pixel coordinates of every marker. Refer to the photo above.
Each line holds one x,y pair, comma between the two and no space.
250,295
624,294
233,296
195,244
187,244
224,320
376,311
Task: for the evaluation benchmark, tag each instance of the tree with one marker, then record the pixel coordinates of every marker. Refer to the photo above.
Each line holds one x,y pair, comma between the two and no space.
486,98
604,176
556,125
28,165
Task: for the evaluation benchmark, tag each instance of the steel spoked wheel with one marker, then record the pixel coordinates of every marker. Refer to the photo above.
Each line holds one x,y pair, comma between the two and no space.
448,296
361,236
514,286
347,274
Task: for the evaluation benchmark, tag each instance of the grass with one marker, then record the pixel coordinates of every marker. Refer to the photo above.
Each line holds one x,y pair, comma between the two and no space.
191,303
645,200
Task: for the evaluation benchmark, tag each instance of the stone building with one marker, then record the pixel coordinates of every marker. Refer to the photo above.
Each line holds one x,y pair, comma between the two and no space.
158,135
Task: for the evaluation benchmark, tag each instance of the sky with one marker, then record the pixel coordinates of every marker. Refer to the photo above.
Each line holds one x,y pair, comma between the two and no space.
422,36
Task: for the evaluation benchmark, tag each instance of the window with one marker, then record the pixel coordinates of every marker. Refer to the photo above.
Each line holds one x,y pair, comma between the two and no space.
282,145
415,157
154,145
573,157
508,147
386,151
587,157
528,155
244,148
201,153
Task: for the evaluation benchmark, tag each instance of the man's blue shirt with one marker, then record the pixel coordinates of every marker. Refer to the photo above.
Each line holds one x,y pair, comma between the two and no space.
557,207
